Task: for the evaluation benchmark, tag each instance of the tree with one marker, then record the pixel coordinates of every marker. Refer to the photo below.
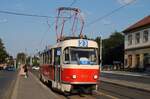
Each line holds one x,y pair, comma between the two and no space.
113,48
35,61
98,40
21,58
10,61
3,53
28,59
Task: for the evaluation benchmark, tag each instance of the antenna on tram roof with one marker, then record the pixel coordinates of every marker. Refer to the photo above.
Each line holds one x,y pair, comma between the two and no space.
74,22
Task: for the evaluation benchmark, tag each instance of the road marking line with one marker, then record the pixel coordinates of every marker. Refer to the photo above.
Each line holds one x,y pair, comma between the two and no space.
15,91
107,95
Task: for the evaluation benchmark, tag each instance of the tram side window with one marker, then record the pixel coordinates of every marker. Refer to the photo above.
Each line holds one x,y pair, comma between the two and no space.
44,58
50,56
57,53
41,58
66,54
47,57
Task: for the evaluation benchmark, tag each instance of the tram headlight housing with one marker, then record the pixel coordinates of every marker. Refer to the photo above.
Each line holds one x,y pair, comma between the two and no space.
74,76
95,76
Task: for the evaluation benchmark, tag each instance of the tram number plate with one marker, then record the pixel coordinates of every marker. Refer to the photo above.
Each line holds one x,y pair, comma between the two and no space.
83,43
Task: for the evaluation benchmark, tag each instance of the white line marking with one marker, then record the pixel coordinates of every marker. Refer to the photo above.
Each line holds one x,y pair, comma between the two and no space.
15,91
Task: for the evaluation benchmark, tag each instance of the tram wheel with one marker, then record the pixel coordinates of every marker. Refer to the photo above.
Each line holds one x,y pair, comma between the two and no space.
66,94
40,77
50,84
91,92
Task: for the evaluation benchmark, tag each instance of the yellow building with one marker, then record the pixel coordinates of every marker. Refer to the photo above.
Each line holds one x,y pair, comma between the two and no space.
137,45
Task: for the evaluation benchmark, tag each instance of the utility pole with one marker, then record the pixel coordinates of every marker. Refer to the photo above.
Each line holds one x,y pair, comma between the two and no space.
100,49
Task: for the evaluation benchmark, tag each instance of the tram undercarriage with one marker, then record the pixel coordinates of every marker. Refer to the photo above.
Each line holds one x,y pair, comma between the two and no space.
74,88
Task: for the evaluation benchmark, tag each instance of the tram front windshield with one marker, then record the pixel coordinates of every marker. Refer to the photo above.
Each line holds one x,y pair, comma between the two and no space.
81,56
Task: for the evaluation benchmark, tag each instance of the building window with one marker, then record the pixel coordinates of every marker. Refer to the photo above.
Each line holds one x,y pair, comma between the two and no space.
146,60
130,60
137,38
137,60
129,39
145,36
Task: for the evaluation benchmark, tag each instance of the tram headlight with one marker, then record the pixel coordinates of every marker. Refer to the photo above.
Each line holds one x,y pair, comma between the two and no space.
74,76
95,76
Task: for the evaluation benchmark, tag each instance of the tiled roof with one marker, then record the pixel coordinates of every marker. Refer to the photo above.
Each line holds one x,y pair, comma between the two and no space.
143,22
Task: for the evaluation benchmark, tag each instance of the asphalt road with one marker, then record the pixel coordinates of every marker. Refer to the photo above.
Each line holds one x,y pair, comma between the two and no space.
109,91
121,92
139,79
7,79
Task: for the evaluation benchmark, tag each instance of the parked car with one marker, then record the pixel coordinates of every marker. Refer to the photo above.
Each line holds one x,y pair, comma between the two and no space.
35,68
10,68
1,68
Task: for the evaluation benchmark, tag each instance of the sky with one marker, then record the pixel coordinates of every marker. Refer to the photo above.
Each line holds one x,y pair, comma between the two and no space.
32,34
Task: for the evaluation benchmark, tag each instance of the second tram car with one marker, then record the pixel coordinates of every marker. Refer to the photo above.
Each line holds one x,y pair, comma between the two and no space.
71,65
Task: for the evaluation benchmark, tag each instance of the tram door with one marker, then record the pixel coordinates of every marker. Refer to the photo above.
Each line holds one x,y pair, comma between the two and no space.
57,53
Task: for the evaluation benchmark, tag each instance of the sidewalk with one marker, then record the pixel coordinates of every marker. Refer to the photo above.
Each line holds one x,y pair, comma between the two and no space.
31,88
131,84
147,75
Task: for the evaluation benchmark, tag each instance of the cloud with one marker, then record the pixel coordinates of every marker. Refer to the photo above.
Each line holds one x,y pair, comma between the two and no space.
3,20
123,2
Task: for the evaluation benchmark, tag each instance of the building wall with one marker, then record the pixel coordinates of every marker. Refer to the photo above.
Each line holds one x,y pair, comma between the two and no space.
136,50
134,54
134,45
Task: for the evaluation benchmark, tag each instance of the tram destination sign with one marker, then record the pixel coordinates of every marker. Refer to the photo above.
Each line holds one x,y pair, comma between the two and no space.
83,43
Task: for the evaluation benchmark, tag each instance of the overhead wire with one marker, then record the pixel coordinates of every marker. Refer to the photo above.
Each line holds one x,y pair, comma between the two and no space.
73,2
25,14
110,13
107,14
44,34
49,26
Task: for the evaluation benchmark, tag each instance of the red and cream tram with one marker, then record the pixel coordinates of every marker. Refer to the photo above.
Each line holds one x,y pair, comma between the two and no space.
71,65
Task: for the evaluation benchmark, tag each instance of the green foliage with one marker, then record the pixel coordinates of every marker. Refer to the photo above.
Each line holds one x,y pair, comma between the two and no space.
114,40
28,60
98,41
10,61
21,58
113,48
3,53
35,61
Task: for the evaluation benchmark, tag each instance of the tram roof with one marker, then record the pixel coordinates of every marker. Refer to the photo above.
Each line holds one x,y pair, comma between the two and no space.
74,43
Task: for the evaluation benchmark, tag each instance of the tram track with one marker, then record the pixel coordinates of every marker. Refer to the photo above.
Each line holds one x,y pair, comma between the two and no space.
79,96
95,95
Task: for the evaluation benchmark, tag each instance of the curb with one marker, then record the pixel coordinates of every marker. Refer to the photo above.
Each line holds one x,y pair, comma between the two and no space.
15,91
144,75
140,89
